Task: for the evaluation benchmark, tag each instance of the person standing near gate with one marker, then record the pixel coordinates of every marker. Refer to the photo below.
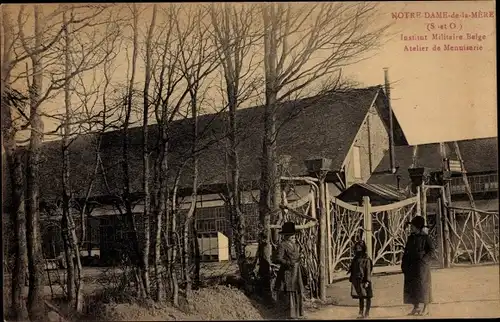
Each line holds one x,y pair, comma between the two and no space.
360,277
289,284
416,268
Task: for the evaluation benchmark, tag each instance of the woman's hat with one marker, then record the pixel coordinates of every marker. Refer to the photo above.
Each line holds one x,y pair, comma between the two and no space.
418,222
288,228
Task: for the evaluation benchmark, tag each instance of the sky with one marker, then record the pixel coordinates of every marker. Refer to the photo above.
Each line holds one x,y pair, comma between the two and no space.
436,95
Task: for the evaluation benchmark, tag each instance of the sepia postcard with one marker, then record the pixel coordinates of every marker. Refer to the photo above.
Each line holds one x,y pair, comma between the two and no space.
249,161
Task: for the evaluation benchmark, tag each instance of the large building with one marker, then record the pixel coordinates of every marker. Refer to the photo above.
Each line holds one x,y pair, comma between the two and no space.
350,127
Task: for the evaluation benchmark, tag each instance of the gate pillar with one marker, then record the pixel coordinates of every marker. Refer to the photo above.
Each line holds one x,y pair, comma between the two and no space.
367,225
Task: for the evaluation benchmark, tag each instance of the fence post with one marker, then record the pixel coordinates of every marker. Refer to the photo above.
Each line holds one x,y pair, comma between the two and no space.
329,235
367,225
423,202
440,234
419,201
445,214
323,272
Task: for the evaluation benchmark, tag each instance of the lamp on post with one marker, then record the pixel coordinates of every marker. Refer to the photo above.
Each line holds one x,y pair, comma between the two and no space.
320,167
419,178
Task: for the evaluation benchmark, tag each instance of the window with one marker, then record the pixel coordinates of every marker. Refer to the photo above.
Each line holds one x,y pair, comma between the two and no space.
356,161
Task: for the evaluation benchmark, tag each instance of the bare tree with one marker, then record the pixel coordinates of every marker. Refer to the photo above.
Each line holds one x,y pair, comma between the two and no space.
31,47
36,306
31,50
303,45
235,34
131,225
169,95
67,223
198,60
11,100
146,154
73,67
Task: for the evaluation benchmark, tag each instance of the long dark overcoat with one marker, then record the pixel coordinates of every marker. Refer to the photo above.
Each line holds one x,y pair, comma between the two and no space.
289,276
416,268
289,282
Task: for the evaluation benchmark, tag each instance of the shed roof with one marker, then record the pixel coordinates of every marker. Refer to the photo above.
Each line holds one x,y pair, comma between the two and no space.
384,192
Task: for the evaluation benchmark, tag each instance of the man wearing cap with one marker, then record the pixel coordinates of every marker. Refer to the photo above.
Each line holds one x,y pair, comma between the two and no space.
416,268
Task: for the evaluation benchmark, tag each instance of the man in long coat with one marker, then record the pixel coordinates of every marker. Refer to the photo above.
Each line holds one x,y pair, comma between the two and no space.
416,268
289,282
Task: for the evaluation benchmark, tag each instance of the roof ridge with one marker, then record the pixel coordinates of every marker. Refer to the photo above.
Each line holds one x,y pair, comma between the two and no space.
459,141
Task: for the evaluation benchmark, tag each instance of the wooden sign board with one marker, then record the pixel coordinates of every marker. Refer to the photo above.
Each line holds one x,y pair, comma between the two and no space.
455,166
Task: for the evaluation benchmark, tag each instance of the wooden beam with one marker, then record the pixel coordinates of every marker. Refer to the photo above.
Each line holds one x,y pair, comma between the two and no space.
440,234
307,225
329,240
473,209
445,213
367,225
305,179
419,201
296,212
423,201
322,242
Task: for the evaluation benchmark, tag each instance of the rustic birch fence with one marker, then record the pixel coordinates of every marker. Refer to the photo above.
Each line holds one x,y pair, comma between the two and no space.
473,235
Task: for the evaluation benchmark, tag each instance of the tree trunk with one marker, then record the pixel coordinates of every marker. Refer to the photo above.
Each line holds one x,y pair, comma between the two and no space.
145,156
78,273
186,250
69,256
161,209
267,203
15,164
235,202
175,247
197,256
157,254
269,194
192,209
72,251
36,266
133,240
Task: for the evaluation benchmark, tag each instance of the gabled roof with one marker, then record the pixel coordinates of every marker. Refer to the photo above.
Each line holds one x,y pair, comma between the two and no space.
479,155
321,126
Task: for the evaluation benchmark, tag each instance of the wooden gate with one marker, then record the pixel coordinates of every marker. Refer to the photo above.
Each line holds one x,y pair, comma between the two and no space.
390,231
303,213
384,224
347,227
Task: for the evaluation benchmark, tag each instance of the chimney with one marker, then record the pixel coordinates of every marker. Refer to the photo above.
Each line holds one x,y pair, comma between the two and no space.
391,126
415,156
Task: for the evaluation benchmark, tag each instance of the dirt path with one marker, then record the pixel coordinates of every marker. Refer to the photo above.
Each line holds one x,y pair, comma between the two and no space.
457,292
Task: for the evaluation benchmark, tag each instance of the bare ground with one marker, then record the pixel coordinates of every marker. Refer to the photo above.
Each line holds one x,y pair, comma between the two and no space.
214,303
459,292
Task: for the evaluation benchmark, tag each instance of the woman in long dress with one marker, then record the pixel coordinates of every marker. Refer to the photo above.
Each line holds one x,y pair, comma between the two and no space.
416,267
289,284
